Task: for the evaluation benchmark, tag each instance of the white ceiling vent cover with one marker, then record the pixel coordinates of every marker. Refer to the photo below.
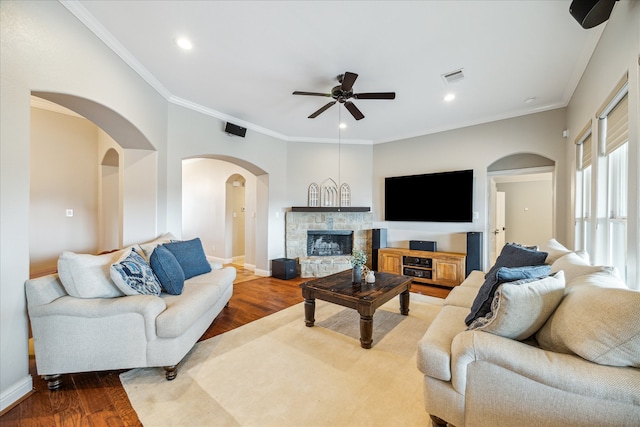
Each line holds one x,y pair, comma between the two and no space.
453,76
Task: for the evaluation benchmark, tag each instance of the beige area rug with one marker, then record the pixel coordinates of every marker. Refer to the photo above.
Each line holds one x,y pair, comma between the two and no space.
278,372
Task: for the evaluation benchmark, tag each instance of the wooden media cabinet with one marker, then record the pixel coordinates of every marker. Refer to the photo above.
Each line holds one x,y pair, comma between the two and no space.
436,268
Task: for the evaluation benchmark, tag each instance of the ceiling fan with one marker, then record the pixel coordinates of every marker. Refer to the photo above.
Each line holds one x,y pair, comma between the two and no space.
343,92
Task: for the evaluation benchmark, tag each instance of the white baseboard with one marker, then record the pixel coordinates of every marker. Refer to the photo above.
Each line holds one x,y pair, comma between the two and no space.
16,392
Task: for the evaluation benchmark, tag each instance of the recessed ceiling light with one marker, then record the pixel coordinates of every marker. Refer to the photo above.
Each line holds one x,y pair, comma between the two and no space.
449,97
342,125
530,100
184,43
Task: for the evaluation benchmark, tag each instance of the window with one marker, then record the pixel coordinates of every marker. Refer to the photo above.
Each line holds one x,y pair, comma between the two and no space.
614,142
583,191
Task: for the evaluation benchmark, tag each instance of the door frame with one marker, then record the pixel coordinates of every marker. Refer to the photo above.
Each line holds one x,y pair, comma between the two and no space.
516,174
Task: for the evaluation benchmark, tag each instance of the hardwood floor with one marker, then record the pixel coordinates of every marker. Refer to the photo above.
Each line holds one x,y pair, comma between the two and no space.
98,398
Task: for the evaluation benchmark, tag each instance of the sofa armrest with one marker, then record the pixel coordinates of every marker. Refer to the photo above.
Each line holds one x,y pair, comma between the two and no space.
561,371
434,349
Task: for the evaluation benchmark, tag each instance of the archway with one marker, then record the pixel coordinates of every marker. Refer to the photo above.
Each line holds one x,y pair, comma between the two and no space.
212,207
236,217
527,182
80,175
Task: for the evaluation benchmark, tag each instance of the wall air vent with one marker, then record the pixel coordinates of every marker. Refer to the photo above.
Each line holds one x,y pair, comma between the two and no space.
453,76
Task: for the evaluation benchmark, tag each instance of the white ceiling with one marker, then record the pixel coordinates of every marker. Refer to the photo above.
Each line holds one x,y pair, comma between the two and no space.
249,56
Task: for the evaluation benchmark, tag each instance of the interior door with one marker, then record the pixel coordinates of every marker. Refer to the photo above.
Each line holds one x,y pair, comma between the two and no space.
499,230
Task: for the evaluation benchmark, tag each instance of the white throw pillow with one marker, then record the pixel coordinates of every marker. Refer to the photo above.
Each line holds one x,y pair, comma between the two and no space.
554,249
574,266
148,247
600,324
520,308
88,276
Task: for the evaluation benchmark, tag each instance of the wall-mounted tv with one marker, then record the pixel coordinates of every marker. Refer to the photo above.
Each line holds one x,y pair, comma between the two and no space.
434,197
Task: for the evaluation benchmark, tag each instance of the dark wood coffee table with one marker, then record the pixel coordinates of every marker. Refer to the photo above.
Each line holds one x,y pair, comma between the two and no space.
365,298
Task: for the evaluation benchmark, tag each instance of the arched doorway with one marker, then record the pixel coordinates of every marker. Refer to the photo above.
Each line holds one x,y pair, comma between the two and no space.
522,194
225,204
236,217
79,192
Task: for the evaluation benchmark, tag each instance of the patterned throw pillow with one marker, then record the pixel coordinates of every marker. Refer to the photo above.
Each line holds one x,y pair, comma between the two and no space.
133,276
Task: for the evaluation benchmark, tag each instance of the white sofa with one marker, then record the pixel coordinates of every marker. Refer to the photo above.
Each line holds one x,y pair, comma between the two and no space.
566,355
116,330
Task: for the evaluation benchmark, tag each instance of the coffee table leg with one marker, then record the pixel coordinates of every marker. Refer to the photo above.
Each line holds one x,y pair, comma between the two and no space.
366,331
309,311
404,303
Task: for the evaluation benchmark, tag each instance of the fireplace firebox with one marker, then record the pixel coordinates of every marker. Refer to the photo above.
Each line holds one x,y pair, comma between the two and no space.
329,242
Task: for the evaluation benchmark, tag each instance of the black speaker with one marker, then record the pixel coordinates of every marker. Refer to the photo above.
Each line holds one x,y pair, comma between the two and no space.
423,245
474,252
284,268
378,241
232,129
590,13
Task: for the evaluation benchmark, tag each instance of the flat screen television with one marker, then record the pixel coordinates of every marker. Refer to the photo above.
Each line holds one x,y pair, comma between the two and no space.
434,197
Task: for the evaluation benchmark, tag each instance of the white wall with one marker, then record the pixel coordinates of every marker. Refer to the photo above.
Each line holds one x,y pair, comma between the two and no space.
474,147
204,191
64,175
528,208
196,134
43,47
314,162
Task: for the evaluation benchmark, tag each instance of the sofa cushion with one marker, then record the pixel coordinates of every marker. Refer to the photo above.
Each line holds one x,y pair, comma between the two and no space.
198,296
461,296
88,276
575,266
133,276
600,324
520,308
190,256
167,268
508,267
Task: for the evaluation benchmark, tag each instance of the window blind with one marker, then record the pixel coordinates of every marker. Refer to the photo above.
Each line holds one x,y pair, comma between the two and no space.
586,152
617,125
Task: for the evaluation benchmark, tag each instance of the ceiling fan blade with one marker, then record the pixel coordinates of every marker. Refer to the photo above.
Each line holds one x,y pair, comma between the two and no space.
375,95
321,110
297,92
357,114
348,80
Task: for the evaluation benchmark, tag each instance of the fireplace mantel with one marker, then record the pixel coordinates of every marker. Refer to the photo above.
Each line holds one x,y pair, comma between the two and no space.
330,209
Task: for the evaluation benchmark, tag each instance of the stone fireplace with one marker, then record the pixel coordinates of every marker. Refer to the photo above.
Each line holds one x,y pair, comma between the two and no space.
319,238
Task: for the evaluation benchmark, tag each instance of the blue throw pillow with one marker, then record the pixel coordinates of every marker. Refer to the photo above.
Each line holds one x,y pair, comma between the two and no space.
511,256
190,256
167,268
133,276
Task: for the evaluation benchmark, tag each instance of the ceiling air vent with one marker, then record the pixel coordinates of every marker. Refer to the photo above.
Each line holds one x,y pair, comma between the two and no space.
453,76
